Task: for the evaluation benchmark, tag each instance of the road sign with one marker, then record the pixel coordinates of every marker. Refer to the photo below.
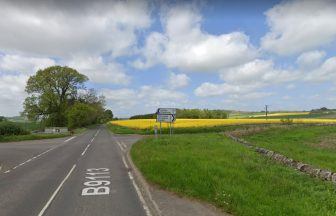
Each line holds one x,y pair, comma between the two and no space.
166,111
165,118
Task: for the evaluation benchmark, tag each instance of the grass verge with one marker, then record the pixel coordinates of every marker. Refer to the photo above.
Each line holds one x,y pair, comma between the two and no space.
31,137
315,145
213,168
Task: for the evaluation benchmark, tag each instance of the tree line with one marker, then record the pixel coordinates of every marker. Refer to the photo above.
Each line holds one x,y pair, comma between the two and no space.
190,114
57,96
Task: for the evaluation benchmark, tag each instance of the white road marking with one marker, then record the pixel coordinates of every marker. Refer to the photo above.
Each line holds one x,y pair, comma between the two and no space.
83,153
70,139
39,155
144,205
123,144
7,171
121,148
124,161
56,191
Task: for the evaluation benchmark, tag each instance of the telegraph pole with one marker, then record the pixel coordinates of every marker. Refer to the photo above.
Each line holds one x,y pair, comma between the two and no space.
266,110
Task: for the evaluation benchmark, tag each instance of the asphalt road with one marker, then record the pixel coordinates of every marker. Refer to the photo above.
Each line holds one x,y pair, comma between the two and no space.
83,175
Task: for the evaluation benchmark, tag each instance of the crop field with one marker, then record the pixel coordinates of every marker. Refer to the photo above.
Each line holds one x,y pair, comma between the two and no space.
189,123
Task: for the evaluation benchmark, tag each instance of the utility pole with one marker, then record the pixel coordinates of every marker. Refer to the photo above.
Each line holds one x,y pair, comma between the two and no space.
266,110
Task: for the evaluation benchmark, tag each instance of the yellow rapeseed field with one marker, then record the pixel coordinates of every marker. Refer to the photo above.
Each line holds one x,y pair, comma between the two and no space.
186,123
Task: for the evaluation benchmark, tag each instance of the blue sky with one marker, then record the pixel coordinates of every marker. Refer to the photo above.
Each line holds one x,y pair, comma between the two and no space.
193,54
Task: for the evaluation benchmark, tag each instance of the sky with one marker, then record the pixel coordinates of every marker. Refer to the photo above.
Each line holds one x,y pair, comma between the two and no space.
142,55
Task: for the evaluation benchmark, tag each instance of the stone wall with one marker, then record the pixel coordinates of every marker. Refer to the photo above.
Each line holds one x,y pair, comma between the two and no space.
326,175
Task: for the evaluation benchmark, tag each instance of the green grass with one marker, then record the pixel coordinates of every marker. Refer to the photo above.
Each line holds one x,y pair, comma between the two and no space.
31,137
213,168
124,130
315,145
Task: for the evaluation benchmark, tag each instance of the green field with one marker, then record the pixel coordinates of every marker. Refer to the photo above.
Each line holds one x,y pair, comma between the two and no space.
234,178
315,145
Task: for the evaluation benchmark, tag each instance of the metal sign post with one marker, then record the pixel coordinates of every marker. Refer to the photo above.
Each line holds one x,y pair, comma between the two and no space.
166,115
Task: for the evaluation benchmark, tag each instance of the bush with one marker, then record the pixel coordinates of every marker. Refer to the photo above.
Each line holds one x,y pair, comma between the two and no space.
286,121
81,115
10,128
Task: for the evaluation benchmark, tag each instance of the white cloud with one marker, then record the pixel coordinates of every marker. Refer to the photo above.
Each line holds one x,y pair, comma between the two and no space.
257,71
311,59
300,25
122,98
23,64
99,71
246,79
145,99
185,46
65,28
178,80
325,72
210,89
12,94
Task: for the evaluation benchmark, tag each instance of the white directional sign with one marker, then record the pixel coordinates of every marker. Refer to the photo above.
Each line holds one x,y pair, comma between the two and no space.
166,118
166,111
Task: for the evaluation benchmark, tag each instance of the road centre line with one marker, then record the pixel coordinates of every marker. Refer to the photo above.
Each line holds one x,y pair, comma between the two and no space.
37,156
83,153
56,191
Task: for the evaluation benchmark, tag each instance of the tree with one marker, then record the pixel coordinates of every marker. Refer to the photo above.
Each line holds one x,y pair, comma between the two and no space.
51,92
80,115
2,118
108,116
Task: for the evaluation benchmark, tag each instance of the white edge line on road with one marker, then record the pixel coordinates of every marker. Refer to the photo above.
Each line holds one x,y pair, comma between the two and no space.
142,200
124,161
56,191
70,139
144,205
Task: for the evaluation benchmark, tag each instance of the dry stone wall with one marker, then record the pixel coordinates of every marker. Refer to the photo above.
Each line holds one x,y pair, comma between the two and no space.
323,174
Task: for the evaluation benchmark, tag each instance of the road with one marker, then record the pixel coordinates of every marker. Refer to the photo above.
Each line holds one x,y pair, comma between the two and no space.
82,175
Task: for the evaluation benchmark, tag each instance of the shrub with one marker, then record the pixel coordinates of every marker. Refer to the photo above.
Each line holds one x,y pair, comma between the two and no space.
10,128
286,121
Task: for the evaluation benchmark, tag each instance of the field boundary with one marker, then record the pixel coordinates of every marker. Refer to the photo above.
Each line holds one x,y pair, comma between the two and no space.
322,174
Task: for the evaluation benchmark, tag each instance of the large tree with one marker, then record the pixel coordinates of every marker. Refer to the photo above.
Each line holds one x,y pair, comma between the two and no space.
51,92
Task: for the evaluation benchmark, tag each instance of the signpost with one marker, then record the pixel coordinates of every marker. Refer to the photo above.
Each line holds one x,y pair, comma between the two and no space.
166,115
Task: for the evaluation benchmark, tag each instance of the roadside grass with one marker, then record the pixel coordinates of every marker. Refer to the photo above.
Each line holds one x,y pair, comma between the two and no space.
31,137
80,130
234,178
38,136
315,145
124,130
